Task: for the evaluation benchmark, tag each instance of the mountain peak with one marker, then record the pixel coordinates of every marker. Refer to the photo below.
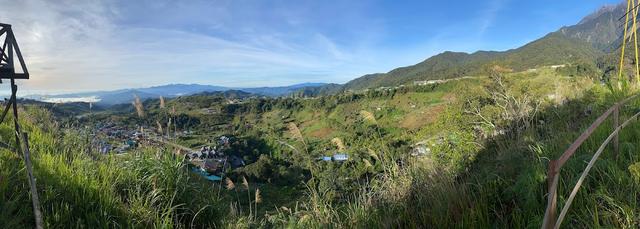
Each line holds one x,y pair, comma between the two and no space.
601,29
609,8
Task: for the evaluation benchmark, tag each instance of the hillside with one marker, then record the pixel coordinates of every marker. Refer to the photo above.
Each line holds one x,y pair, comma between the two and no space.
553,49
459,140
602,29
451,154
581,44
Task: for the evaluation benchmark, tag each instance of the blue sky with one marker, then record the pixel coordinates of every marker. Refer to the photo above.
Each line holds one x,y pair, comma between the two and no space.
108,44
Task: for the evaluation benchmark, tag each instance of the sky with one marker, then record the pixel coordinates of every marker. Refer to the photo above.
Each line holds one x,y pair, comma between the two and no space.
85,45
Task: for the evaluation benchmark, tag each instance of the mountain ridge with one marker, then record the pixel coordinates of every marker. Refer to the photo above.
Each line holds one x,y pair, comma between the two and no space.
582,43
120,96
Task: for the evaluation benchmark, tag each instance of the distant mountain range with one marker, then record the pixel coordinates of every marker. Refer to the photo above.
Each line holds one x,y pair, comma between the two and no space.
168,91
592,43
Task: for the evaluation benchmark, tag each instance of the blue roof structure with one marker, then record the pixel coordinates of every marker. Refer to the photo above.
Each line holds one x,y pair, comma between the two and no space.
205,174
340,157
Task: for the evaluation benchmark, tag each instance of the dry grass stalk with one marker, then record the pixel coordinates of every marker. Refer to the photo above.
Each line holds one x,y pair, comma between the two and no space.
233,210
161,102
258,197
373,154
338,142
368,116
245,183
154,183
295,131
169,127
367,163
139,107
159,127
229,184
297,134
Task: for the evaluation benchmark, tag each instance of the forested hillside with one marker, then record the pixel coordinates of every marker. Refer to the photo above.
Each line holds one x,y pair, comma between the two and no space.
580,44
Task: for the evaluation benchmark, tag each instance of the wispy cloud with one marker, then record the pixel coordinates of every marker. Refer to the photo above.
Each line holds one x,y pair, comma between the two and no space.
78,45
488,15
87,45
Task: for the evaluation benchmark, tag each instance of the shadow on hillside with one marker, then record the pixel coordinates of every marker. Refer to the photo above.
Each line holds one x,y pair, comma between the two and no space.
505,186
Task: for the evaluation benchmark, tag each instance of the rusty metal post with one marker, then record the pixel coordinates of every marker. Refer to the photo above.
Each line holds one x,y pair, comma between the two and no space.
616,123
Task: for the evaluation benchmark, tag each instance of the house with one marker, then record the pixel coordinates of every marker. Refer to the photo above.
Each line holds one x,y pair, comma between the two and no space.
420,150
340,157
205,174
335,157
131,143
224,140
105,148
212,165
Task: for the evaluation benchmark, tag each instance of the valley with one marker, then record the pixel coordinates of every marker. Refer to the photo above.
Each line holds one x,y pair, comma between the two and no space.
459,140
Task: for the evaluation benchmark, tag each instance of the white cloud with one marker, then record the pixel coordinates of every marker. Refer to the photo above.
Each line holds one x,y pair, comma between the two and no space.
488,15
88,45
75,45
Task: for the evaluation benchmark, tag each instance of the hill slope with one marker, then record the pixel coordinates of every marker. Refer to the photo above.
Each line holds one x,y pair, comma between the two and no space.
584,42
552,49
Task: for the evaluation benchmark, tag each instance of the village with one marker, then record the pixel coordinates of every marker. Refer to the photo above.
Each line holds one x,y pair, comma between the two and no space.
210,161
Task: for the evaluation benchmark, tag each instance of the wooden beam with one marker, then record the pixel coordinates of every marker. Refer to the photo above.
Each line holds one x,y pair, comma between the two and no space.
573,147
19,55
616,139
14,76
35,200
552,197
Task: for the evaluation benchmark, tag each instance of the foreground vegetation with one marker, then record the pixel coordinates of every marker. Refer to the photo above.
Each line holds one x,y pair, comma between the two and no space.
490,138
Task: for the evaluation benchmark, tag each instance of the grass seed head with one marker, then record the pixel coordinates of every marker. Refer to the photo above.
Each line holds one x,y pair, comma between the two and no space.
229,184
258,197
161,102
138,105
245,183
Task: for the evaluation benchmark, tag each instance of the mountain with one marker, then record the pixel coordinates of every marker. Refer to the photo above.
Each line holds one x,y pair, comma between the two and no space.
583,44
441,66
586,43
168,91
173,90
313,91
229,94
280,91
602,28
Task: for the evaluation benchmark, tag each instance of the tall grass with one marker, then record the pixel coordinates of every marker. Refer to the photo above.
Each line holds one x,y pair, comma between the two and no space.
137,104
504,187
500,182
81,190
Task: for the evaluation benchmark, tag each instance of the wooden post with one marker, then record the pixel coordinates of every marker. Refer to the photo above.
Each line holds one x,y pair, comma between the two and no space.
552,180
616,123
32,182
